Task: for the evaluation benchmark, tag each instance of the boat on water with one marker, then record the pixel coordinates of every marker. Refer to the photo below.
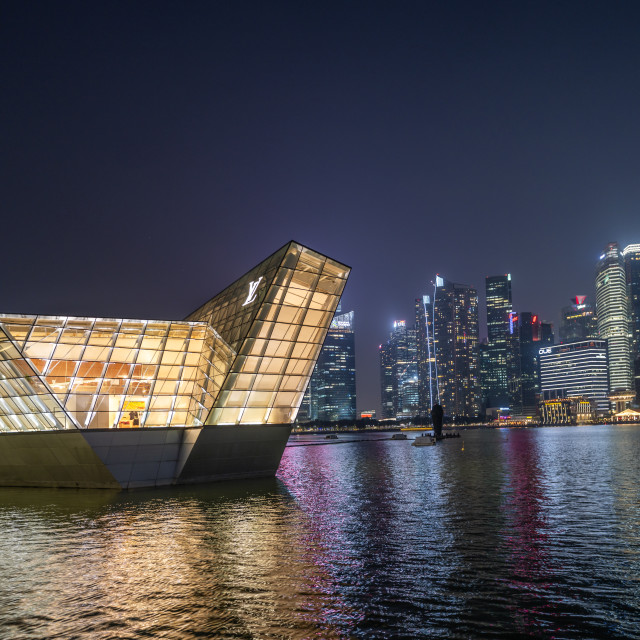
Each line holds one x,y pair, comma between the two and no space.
331,436
424,440
399,436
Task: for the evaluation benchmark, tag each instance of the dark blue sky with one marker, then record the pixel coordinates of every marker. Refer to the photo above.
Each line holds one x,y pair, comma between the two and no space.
154,151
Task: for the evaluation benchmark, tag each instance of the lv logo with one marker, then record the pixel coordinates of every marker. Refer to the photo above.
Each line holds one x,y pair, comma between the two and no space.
253,287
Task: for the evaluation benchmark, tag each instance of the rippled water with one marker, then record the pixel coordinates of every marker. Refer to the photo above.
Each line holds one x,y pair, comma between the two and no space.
521,533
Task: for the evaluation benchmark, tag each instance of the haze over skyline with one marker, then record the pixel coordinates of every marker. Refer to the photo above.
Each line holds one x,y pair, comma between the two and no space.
155,152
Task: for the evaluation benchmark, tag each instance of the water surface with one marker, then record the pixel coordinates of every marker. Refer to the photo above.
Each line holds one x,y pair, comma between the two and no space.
501,534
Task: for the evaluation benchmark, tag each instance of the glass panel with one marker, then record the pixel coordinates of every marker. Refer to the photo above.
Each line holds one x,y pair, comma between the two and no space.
303,280
91,369
273,365
149,357
161,402
39,349
118,370
127,340
98,354
62,368
266,383
179,418
68,352
149,342
237,399
253,416
290,314
260,399
228,416
165,387
335,269
123,355
281,415
44,334
328,284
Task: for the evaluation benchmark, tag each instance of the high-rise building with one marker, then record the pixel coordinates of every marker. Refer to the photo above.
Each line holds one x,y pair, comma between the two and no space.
331,394
399,373
576,369
454,309
631,256
534,335
579,321
425,353
612,308
513,365
527,334
387,381
495,381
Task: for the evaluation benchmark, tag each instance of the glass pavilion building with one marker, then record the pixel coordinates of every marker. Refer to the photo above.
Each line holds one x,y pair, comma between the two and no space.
102,402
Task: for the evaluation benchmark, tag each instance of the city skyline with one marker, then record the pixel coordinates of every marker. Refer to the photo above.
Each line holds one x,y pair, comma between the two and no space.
403,140
505,367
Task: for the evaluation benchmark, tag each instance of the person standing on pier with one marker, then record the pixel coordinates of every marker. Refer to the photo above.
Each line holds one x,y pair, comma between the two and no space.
437,414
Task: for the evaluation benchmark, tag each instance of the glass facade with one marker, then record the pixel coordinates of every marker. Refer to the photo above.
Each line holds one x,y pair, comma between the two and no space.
612,309
577,369
399,373
579,321
498,372
454,313
244,357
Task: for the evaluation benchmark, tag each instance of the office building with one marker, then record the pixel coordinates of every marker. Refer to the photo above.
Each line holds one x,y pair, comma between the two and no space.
104,402
331,394
576,369
454,309
527,333
399,373
426,355
579,321
387,381
612,309
496,374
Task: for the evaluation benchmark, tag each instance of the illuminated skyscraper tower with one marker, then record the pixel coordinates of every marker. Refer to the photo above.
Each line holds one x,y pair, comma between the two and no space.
331,394
495,381
399,372
579,321
631,255
455,330
612,308
427,392
387,380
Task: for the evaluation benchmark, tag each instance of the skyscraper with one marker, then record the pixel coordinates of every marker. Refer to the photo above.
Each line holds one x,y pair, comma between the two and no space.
331,394
495,381
579,321
387,380
631,256
612,308
425,353
533,337
455,330
399,373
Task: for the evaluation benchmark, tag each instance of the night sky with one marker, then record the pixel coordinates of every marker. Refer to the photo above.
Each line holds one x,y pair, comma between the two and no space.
155,151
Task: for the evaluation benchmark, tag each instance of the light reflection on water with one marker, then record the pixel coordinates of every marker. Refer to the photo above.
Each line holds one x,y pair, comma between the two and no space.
524,533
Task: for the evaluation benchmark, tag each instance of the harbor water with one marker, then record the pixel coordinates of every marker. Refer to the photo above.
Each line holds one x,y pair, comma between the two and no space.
502,533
